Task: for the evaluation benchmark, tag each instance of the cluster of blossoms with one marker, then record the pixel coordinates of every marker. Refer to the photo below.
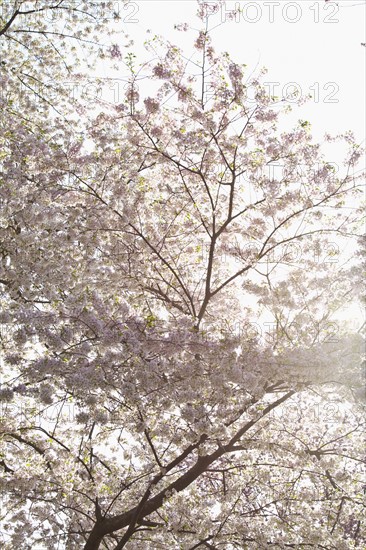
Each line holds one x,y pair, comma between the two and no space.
152,105
115,52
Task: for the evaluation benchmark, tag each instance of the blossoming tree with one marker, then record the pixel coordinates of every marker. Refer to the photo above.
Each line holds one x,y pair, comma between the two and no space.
144,405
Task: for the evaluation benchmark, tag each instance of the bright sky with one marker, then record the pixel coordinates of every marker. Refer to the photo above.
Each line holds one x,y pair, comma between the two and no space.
315,44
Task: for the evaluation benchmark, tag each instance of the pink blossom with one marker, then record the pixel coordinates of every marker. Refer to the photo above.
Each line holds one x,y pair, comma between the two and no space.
152,105
115,52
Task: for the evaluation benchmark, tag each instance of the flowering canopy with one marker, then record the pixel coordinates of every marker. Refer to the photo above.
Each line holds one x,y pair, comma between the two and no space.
143,403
